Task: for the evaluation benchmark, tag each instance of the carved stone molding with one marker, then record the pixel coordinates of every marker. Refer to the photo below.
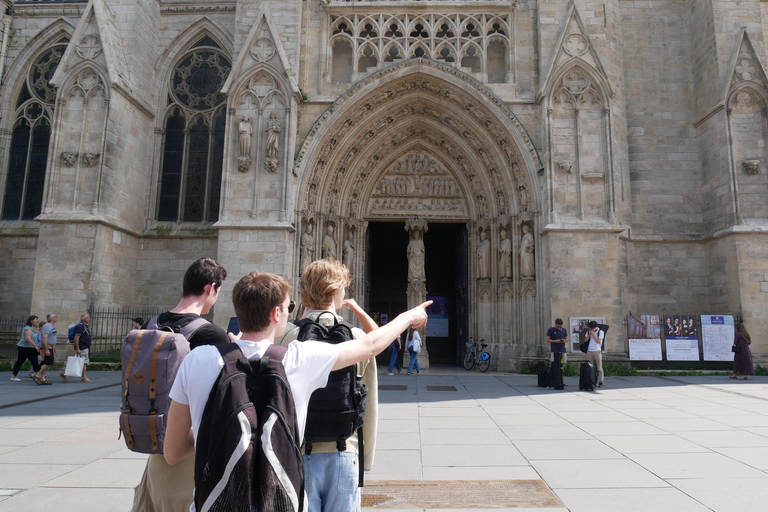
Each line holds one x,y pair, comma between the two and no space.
69,159
91,159
244,163
89,47
751,166
565,167
196,9
575,45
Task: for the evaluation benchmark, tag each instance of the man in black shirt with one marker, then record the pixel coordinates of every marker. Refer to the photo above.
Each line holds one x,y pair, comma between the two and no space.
165,488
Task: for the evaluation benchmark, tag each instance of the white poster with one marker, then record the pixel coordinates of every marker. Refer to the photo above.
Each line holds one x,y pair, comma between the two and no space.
717,337
645,349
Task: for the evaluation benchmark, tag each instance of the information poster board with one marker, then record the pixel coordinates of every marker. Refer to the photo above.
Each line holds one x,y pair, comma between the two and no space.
576,325
644,334
717,337
438,323
681,338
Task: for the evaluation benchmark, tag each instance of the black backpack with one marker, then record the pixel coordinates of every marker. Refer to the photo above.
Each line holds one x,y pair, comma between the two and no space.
247,453
338,410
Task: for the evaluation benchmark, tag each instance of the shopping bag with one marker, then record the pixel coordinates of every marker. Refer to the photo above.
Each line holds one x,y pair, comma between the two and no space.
74,366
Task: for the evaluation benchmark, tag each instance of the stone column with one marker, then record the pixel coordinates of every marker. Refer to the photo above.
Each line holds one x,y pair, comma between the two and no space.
417,280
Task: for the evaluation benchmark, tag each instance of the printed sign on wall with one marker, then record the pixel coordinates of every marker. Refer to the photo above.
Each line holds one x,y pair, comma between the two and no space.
644,337
717,337
682,337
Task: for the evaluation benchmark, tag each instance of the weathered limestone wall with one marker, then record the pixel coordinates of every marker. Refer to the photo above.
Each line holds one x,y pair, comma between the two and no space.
753,288
585,279
160,266
17,274
664,159
114,268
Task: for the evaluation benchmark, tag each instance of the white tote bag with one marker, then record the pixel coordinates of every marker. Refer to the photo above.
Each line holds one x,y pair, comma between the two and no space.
74,366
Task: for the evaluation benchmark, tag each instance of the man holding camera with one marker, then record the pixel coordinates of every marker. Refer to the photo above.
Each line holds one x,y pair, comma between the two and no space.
595,336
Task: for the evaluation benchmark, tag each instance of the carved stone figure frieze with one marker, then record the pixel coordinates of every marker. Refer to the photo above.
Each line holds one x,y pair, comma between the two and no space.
505,256
91,159
751,166
527,265
484,256
69,159
307,248
329,243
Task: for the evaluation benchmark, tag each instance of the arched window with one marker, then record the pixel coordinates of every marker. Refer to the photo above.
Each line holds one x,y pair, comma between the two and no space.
193,143
23,198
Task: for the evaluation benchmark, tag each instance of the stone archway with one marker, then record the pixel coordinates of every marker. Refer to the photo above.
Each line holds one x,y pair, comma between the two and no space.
421,139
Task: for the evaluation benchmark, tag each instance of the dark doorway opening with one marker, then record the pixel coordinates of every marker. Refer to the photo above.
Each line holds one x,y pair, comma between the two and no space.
447,281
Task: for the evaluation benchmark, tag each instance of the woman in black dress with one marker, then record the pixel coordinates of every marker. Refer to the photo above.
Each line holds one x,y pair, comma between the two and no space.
742,360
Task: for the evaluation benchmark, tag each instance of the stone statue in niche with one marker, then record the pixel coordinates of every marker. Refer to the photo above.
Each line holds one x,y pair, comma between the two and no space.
416,255
329,244
307,248
91,159
273,130
349,250
69,159
483,256
527,267
505,256
245,136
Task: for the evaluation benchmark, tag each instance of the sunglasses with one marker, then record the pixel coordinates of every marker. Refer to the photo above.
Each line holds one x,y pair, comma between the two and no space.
291,307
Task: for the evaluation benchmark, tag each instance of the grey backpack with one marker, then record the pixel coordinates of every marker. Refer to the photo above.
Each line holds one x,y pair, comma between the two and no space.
151,358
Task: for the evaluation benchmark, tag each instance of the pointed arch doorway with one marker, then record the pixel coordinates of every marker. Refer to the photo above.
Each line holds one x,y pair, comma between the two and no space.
420,144
447,284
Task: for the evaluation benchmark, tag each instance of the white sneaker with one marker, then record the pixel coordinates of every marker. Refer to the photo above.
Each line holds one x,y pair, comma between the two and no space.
15,379
390,373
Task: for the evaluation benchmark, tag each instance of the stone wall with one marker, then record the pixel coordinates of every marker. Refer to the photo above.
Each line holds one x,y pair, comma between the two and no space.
17,274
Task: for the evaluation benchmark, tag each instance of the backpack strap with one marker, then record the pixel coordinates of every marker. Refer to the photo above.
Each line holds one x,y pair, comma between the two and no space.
192,327
291,332
153,389
152,324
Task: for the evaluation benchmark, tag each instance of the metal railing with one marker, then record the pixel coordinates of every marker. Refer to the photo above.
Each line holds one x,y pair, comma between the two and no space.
10,334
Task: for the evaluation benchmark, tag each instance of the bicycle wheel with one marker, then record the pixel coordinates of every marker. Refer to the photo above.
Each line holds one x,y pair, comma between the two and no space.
469,361
484,362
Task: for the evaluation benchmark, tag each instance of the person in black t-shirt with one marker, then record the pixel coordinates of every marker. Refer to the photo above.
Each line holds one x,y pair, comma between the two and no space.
557,337
164,487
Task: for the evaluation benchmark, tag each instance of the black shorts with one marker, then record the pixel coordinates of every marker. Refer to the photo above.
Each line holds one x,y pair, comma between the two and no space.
48,360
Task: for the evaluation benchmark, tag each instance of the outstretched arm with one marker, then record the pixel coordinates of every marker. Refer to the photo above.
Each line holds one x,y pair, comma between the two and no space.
365,320
354,351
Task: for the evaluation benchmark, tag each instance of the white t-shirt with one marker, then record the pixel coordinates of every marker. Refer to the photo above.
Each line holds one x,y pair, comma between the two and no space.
593,346
307,365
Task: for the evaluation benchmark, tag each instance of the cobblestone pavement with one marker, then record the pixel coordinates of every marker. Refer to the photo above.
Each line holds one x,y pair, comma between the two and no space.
641,444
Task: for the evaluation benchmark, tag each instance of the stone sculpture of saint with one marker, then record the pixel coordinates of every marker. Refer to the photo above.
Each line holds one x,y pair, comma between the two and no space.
273,130
527,267
416,255
505,256
246,133
483,256
349,250
307,248
329,244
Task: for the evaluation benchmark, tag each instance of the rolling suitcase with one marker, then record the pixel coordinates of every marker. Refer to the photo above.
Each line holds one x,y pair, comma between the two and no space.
557,371
587,376
545,378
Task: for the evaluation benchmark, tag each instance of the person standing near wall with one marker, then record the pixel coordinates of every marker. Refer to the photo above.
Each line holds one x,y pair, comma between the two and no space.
596,336
557,337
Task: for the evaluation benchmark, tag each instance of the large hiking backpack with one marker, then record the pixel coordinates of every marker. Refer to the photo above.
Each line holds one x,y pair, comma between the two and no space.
247,452
338,410
150,358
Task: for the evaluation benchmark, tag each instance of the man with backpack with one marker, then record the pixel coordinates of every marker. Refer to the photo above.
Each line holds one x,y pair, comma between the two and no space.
165,488
241,409
336,451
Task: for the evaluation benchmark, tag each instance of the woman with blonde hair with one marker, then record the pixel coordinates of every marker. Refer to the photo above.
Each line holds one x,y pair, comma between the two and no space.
413,346
742,357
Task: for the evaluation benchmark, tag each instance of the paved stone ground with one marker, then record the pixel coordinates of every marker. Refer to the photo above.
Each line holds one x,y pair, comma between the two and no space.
642,444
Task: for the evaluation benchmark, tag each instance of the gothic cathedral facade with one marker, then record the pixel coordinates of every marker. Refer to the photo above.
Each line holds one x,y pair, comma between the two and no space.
589,158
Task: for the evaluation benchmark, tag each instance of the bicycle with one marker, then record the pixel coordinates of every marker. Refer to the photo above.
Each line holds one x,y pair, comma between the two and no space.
482,358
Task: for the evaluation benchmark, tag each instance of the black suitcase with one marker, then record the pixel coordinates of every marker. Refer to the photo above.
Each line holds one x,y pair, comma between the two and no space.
557,371
587,376
545,378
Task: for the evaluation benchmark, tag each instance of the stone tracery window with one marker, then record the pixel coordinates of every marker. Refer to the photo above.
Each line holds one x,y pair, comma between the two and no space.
23,198
193,142
477,43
